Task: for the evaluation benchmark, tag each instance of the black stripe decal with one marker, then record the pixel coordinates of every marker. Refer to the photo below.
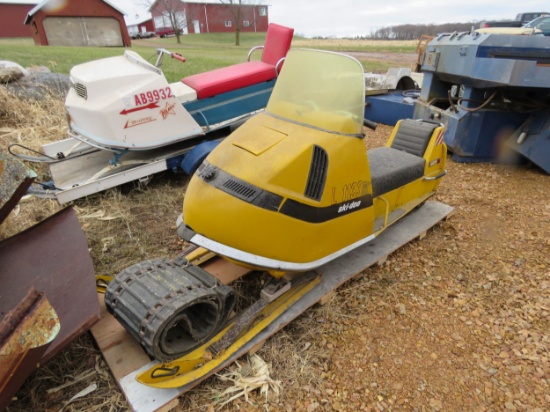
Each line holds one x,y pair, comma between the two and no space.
262,198
314,214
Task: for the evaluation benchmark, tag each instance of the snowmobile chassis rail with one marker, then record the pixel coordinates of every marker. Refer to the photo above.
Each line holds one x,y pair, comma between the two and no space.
89,170
127,359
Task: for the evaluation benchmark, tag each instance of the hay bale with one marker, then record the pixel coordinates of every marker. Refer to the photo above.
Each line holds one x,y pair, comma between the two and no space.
10,71
38,86
9,74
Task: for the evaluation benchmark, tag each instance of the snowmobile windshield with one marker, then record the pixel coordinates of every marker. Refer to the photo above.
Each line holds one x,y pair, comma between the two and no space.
324,90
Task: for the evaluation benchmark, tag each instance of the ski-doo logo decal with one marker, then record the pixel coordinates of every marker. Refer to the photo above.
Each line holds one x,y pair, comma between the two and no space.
349,206
139,122
168,109
314,214
153,96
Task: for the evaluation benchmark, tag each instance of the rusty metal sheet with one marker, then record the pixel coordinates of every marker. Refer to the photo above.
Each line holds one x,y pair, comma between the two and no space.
25,334
15,179
53,257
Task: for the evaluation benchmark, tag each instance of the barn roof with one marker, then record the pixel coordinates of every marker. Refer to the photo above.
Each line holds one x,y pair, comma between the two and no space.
132,20
29,2
44,2
260,3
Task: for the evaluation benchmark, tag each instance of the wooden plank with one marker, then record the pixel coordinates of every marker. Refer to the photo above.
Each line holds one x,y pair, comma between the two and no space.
146,399
256,348
121,351
224,270
382,260
326,299
125,357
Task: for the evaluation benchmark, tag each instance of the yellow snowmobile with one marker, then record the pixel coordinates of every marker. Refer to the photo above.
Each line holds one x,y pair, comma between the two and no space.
294,187
290,190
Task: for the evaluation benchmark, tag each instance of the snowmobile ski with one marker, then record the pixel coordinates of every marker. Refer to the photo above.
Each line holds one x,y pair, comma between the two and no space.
213,355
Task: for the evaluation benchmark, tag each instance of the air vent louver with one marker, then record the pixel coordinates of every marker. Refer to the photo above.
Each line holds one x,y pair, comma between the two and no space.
240,190
81,90
317,174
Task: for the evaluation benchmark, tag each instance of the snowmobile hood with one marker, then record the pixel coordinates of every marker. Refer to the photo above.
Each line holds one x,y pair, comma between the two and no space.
97,79
124,102
130,64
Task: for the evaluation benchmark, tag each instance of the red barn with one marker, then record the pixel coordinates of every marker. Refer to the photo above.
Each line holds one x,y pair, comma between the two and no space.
205,17
78,23
12,17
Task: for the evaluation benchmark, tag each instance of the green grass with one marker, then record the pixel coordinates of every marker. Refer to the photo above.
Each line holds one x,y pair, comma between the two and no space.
361,47
203,52
376,66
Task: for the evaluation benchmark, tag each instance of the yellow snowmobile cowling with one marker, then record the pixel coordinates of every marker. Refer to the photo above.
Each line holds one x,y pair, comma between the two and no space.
294,187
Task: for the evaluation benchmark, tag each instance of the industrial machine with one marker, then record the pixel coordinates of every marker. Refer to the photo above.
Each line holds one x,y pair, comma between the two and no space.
289,191
491,91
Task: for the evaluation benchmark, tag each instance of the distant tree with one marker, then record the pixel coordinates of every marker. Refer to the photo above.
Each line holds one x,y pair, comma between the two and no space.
235,8
173,14
414,31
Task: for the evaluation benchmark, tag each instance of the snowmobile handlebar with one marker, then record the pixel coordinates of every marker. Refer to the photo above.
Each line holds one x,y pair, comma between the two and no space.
178,56
162,52
370,124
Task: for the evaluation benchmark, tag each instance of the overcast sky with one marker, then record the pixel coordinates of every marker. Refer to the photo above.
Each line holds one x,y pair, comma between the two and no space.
349,18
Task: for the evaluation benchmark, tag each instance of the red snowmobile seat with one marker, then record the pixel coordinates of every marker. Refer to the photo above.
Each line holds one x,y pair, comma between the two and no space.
226,79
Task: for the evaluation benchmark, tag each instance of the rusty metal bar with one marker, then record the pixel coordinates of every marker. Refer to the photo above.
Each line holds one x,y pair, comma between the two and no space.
25,334
52,256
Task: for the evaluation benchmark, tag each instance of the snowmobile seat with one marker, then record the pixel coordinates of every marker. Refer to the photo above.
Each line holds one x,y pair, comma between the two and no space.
412,136
226,79
391,168
402,162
